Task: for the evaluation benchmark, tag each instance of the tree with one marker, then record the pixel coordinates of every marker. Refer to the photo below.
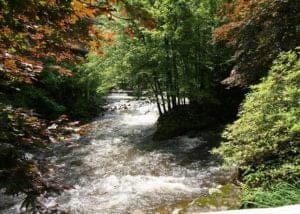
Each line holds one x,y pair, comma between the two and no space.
33,30
172,57
258,30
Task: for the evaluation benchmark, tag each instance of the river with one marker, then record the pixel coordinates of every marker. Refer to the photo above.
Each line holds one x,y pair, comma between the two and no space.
119,169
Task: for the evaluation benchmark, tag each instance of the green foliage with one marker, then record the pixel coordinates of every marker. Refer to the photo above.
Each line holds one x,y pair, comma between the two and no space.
78,95
55,94
277,195
264,141
39,99
170,54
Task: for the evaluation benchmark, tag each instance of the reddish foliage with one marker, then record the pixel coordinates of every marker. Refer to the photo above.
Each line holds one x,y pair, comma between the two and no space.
258,30
237,14
33,30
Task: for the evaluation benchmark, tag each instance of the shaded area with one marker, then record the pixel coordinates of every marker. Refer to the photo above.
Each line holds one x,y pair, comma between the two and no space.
199,116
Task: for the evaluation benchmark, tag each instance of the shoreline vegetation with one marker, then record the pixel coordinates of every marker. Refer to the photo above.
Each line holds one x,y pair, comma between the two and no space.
227,70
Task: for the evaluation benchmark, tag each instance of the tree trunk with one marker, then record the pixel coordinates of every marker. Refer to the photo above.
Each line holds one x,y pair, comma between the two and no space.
174,84
161,95
157,100
168,75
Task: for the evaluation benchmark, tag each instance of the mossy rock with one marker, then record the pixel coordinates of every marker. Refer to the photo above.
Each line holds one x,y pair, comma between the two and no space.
185,119
223,198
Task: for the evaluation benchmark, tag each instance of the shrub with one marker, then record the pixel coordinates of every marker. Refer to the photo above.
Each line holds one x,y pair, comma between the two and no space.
264,141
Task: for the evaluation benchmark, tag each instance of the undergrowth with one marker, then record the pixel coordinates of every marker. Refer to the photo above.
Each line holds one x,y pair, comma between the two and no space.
277,195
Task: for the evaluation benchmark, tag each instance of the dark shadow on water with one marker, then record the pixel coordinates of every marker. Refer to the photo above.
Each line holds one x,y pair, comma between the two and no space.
200,143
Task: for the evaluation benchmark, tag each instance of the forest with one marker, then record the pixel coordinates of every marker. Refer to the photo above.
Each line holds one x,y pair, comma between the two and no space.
229,68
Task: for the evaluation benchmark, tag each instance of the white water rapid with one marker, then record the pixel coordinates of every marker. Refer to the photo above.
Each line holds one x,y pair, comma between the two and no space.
118,169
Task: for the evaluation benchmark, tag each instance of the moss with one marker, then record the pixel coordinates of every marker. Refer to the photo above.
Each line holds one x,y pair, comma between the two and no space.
227,196
223,198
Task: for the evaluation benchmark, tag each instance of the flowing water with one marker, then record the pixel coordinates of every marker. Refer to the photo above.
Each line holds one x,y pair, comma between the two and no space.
118,169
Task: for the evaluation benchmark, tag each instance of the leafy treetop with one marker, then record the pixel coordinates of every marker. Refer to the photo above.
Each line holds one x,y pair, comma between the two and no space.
258,30
33,30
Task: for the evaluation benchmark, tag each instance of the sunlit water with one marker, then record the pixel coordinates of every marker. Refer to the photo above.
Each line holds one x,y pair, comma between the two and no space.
118,169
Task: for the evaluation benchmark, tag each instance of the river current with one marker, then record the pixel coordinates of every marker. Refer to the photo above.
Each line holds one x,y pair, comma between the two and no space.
117,168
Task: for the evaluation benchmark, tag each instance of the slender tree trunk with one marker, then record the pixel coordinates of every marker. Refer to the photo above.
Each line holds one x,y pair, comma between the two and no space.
187,72
157,100
168,75
179,101
173,100
169,101
199,71
174,78
161,95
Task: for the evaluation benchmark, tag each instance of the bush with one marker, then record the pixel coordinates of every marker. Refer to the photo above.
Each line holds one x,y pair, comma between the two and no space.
264,141
56,94
78,94
39,99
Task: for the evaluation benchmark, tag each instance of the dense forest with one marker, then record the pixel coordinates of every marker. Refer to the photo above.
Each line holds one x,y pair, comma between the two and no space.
230,65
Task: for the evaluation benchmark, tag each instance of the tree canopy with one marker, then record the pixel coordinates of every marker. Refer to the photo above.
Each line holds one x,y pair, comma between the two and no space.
258,30
175,59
